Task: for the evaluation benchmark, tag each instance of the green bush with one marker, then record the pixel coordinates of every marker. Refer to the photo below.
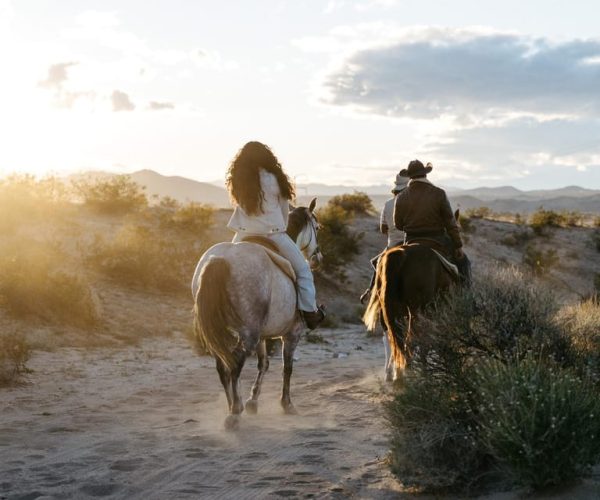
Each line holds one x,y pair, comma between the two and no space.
14,354
433,443
338,243
435,440
114,195
139,255
539,261
357,203
539,422
34,285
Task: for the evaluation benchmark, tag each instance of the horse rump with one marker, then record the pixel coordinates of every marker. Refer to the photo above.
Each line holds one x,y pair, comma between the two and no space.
216,322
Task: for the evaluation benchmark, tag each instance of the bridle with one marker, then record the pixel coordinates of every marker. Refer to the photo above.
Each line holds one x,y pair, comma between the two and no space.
313,237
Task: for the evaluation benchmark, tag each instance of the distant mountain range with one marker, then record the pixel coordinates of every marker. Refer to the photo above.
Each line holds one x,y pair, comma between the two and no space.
499,199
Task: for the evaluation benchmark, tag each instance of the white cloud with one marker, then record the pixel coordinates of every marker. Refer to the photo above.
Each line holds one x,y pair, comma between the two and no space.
121,101
433,72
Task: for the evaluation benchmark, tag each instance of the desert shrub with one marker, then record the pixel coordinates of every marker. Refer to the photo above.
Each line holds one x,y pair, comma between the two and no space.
357,203
582,324
435,440
517,238
541,220
539,421
479,213
466,224
539,261
34,285
596,222
596,239
14,354
571,218
338,243
140,255
23,199
117,194
191,218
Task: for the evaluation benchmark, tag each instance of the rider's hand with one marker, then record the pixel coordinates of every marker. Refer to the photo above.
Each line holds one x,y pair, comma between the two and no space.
459,254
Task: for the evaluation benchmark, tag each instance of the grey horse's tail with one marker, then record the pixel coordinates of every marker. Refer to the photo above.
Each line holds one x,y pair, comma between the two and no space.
216,322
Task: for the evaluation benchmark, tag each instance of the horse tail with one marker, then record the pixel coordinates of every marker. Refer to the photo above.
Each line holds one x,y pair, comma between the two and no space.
390,292
215,319
373,311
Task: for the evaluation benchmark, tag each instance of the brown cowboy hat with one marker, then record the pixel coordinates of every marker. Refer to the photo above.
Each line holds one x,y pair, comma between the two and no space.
415,169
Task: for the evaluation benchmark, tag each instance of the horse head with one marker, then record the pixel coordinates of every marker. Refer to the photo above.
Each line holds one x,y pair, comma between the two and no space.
302,228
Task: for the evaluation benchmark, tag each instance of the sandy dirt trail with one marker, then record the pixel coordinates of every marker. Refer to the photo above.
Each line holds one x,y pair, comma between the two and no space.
147,422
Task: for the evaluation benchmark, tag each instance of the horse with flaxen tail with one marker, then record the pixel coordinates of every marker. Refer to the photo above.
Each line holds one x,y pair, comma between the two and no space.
243,297
409,278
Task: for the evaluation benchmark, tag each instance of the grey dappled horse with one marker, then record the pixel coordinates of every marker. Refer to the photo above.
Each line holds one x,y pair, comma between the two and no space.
242,298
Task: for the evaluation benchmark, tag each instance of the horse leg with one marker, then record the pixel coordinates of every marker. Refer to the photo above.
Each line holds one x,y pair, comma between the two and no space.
289,345
263,366
225,377
237,407
389,362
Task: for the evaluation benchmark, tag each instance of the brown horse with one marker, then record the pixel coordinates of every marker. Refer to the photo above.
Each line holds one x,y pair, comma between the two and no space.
409,277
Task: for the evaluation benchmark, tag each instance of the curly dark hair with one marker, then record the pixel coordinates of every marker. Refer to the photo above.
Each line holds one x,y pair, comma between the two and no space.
243,177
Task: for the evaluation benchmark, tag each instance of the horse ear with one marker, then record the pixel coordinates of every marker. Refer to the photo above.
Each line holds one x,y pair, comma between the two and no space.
457,214
312,205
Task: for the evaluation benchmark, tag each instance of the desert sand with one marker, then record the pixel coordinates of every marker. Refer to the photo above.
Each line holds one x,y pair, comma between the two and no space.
147,422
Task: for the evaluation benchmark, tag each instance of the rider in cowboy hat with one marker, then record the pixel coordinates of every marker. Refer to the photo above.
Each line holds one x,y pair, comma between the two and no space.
423,212
386,226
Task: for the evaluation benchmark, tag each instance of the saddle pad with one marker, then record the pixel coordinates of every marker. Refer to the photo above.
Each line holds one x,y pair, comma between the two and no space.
451,268
281,262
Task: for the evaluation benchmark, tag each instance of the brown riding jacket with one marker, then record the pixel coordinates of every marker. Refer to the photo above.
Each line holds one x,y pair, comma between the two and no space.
424,208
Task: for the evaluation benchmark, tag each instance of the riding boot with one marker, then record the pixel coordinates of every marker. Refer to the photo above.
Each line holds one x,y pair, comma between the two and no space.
314,318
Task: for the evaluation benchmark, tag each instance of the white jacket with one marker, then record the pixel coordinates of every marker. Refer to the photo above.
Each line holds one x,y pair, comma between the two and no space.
275,210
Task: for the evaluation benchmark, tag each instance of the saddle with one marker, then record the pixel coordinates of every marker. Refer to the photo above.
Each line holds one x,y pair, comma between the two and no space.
439,250
273,253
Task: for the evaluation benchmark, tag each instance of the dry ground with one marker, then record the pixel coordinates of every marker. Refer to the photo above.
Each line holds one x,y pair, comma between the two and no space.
127,410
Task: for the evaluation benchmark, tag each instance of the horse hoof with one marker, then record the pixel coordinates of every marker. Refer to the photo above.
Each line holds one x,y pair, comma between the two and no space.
290,410
389,377
252,406
232,422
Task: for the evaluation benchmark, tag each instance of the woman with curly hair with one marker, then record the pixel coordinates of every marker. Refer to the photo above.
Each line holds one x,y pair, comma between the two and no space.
261,191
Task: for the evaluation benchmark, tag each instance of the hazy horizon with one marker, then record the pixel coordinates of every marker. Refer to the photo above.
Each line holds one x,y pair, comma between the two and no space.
344,91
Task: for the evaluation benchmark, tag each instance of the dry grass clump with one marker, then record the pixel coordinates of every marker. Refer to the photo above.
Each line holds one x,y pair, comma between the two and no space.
14,354
34,285
582,322
448,431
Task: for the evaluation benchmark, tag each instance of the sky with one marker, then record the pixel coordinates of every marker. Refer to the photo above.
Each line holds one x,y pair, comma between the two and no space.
491,93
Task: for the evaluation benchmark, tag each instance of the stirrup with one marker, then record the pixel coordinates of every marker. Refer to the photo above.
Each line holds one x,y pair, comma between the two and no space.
365,295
